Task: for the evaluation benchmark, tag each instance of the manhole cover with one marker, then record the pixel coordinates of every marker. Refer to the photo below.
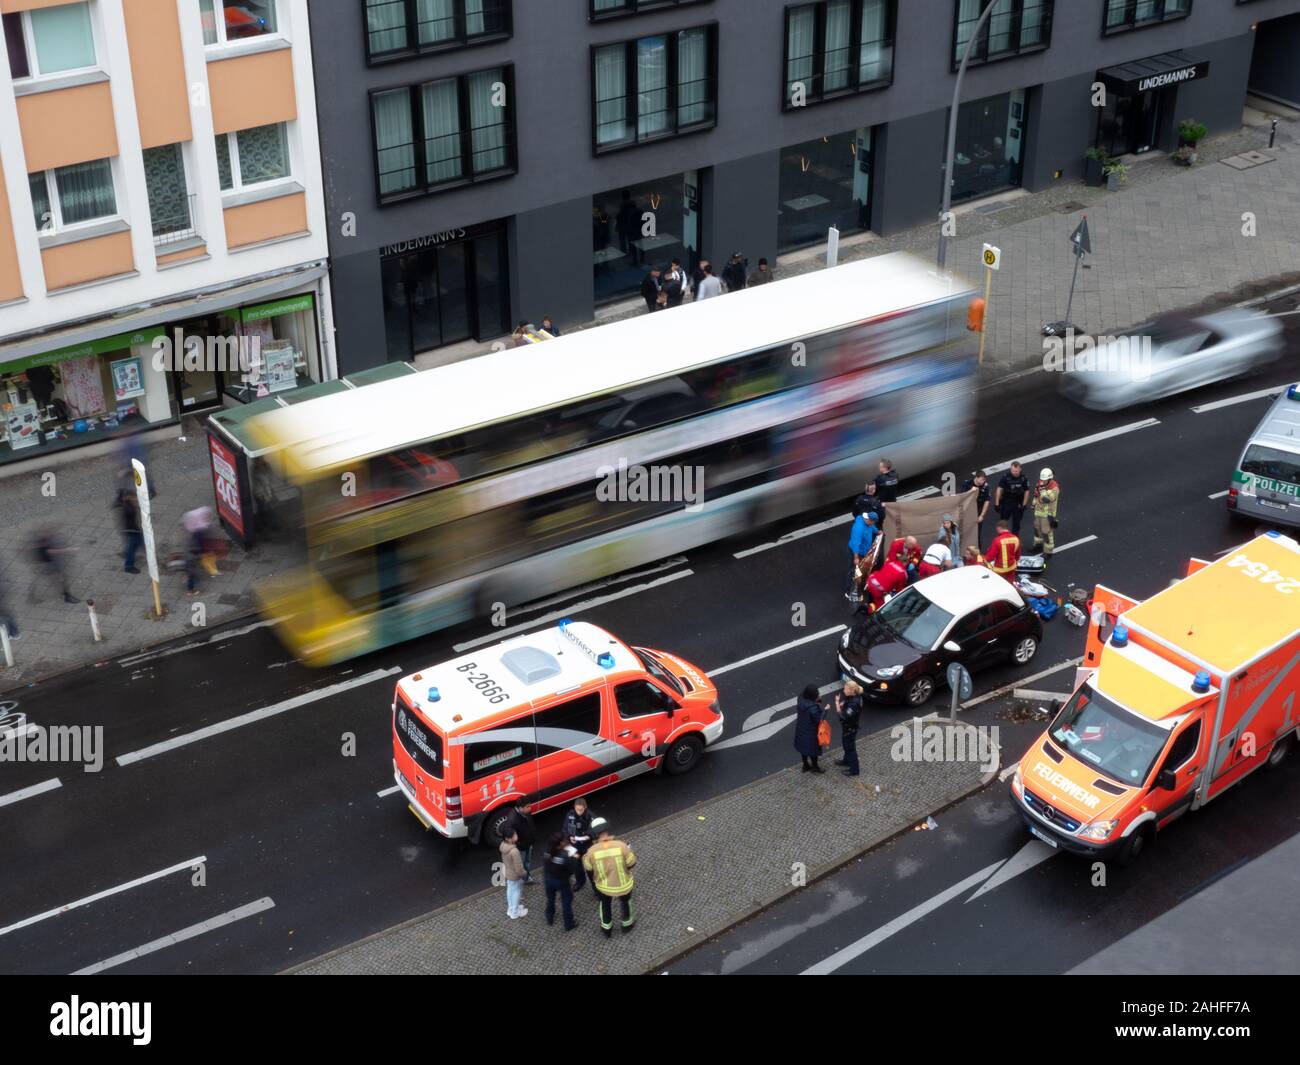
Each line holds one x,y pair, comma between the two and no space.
992,208
1069,208
1246,160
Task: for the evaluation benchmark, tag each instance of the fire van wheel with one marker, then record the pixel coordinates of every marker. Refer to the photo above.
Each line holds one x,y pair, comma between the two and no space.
1024,651
919,691
1279,752
683,756
493,825
1135,847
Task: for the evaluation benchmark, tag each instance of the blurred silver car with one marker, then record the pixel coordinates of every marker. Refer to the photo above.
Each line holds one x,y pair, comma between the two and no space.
1171,354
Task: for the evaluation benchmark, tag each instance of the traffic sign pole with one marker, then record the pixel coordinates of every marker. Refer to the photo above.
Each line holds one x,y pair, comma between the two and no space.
146,530
988,292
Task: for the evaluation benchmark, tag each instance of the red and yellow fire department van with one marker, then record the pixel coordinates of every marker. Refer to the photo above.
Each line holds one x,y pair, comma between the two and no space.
1178,698
544,717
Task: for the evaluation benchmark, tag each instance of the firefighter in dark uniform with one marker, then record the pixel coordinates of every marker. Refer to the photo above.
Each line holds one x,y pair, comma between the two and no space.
1010,498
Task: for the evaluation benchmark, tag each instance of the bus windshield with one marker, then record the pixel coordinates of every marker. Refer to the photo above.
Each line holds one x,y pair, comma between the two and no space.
1108,737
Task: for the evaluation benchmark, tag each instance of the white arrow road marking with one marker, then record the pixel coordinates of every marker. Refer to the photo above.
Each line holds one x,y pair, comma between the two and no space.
1218,404
1033,852
210,925
200,860
834,630
759,725
842,957
570,611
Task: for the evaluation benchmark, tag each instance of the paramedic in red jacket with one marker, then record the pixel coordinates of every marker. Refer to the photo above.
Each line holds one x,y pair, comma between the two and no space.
890,579
1004,552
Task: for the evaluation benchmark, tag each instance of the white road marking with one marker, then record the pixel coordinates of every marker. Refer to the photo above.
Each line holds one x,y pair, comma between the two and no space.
836,629
920,493
798,534
1219,495
1008,771
842,957
570,611
217,729
1074,543
218,637
178,867
759,725
27,793
621,578
210,925
1031,854
1019,683
1083,441
387,791
1247,397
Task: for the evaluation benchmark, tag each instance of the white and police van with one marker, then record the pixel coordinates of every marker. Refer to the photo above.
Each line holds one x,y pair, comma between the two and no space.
1266,484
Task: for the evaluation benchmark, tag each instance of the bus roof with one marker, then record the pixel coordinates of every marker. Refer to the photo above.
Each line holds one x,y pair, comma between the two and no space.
333,431
1225,615
535,666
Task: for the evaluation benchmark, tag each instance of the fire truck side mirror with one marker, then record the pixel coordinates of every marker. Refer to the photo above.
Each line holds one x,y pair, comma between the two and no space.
975,315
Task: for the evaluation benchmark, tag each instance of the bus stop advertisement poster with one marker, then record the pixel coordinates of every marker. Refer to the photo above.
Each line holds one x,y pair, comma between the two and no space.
232,488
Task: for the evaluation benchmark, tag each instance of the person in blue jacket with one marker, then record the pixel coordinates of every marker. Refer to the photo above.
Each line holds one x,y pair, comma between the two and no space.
810,715
862,534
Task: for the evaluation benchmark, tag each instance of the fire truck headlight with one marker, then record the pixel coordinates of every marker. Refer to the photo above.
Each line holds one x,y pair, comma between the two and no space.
1098,830
1015,780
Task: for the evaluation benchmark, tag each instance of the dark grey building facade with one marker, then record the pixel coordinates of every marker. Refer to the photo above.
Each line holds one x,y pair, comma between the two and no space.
494,160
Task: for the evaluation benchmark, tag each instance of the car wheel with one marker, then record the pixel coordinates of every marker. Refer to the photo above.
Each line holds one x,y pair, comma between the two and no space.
1279,752
1023,652
494,824
683,756
920,690
1132,850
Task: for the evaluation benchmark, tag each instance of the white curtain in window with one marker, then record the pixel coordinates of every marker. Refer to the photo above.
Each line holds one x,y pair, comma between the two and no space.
394,141
968,14
652,86
64,40
874,61
611,94
437,19
801,28
1031,23
1001,27
488,128
474,17
837,60
386,23
692,76
85,191
1146,9
442,131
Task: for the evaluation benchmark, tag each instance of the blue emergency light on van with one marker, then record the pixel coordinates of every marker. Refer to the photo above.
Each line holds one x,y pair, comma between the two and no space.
564,623
433,695
1201,682
1293,392
1119,638
605,661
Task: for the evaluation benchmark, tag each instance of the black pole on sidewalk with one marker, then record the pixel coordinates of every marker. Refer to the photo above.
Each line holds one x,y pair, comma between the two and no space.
1272,133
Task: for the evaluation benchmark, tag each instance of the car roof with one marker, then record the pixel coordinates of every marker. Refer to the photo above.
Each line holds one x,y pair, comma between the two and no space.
529,669
1281,425
967,588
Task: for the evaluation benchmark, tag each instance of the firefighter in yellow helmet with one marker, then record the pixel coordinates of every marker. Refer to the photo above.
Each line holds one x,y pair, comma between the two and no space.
609,864
1046,496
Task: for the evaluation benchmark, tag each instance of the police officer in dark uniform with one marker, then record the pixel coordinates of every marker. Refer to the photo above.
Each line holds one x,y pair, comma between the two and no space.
983,501
848,707
869,503
1009,499
887,482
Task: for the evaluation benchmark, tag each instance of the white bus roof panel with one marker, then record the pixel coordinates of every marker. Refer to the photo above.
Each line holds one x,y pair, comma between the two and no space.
333,431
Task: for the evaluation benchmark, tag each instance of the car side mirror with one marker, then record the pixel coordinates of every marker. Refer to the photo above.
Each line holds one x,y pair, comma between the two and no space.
1167,779
953,646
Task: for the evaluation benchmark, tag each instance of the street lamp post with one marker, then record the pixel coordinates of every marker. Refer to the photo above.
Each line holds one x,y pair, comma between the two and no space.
952,133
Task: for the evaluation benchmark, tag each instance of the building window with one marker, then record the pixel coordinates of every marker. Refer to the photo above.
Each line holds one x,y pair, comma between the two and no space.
612,8
236,20
252,156
171,207
1015,28
443,133
624,250
989,147
73,195
1123,15
398,28
824,182
654,87
836,47
50,40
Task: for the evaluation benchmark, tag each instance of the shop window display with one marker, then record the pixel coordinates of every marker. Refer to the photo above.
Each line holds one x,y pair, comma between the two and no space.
280,340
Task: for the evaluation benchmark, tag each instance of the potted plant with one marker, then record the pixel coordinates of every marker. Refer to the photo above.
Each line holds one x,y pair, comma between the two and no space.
1115,173
1094,164
1191,132
1185,156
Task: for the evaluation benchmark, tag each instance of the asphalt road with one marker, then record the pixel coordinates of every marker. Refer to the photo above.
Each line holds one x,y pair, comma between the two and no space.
301,846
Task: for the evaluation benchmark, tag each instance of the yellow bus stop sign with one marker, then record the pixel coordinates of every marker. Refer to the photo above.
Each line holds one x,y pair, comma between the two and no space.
992,257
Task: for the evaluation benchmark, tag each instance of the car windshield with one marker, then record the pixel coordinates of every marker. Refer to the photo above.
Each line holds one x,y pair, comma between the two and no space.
1272,463
914,619
653,667
1108,737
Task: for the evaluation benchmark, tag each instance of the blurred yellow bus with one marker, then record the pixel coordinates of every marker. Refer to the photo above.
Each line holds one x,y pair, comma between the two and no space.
442,496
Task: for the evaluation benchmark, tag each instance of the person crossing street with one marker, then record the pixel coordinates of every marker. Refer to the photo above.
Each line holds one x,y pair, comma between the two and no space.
609,864
1047,494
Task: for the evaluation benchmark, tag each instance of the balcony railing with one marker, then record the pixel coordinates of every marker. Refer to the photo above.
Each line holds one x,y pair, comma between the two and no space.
180,225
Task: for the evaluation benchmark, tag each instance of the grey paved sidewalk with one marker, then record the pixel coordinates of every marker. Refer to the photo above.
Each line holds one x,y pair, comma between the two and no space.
57,636
698,873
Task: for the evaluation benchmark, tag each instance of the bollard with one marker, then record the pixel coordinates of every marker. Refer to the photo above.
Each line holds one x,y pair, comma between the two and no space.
7,647
1272,133
94,620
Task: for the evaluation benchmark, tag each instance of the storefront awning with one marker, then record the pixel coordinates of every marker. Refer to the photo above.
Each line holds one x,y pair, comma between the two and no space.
188,305
1154,72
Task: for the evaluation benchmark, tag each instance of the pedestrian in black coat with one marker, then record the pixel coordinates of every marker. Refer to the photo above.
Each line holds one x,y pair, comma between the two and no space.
810,715
650,289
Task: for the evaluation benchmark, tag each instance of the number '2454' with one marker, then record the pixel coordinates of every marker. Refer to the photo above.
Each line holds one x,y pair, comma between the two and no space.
1262,573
